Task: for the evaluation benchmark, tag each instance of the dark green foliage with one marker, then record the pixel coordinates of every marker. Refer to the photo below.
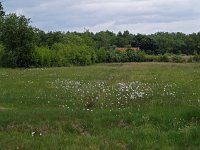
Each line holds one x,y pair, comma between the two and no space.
177,42
177,59
18,40
196,58
101,55
2,14
40,38
1,54
81,55
146,43
60,55
64,55
117,56
124,39
42,57
105,39
53,37
88,39
135,56
163,58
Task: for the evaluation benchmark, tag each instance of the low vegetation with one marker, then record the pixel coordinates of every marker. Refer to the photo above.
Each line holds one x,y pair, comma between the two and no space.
107,106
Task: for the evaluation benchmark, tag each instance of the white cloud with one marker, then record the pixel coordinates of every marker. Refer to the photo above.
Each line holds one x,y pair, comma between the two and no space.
19,11
143,16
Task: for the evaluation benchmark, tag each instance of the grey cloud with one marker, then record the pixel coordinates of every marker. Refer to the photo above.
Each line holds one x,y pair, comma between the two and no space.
144,16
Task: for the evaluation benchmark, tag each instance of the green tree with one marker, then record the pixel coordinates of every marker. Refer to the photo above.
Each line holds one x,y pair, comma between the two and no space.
54,37
145,43
2,14
42,57
120,40
18,39
101,55
124,40
105,39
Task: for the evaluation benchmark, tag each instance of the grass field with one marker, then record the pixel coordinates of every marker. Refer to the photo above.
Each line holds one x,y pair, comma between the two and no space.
106,106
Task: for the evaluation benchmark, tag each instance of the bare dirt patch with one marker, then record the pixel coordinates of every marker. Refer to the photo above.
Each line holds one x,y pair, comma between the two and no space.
124,124
78,127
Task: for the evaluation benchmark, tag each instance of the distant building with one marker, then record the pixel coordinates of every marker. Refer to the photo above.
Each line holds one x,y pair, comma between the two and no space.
125,49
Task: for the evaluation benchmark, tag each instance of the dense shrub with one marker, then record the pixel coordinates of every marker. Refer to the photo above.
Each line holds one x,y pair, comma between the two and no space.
9,59
81,55
60,55
42,57
151,58
101,55
64,55
135,56
120,56
1,54
196,58
177,59
163,58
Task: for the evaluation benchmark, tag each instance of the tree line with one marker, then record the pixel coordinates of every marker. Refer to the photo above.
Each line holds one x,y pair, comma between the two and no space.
22,45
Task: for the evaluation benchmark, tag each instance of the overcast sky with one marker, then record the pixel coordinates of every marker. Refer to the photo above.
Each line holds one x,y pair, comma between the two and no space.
137,16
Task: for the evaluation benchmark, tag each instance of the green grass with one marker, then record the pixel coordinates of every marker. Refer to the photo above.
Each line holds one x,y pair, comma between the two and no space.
106,106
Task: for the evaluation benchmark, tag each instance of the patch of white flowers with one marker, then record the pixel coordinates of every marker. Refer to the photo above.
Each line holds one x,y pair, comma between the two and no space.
102,94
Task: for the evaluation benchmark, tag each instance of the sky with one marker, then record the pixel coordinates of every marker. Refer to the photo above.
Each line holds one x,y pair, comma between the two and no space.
137,16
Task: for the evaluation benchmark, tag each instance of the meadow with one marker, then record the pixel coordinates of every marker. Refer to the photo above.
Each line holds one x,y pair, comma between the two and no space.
132,106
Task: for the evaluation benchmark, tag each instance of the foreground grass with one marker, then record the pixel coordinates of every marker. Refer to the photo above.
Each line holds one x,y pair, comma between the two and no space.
107,106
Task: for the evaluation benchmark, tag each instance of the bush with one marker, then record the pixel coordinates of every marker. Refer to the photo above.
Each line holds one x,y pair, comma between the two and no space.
81,55
60,55
42,57
101,55
177,59
135,56
64,55
141,56
151,58
163,58
125,56
1,54
190,59
196,58
9,59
